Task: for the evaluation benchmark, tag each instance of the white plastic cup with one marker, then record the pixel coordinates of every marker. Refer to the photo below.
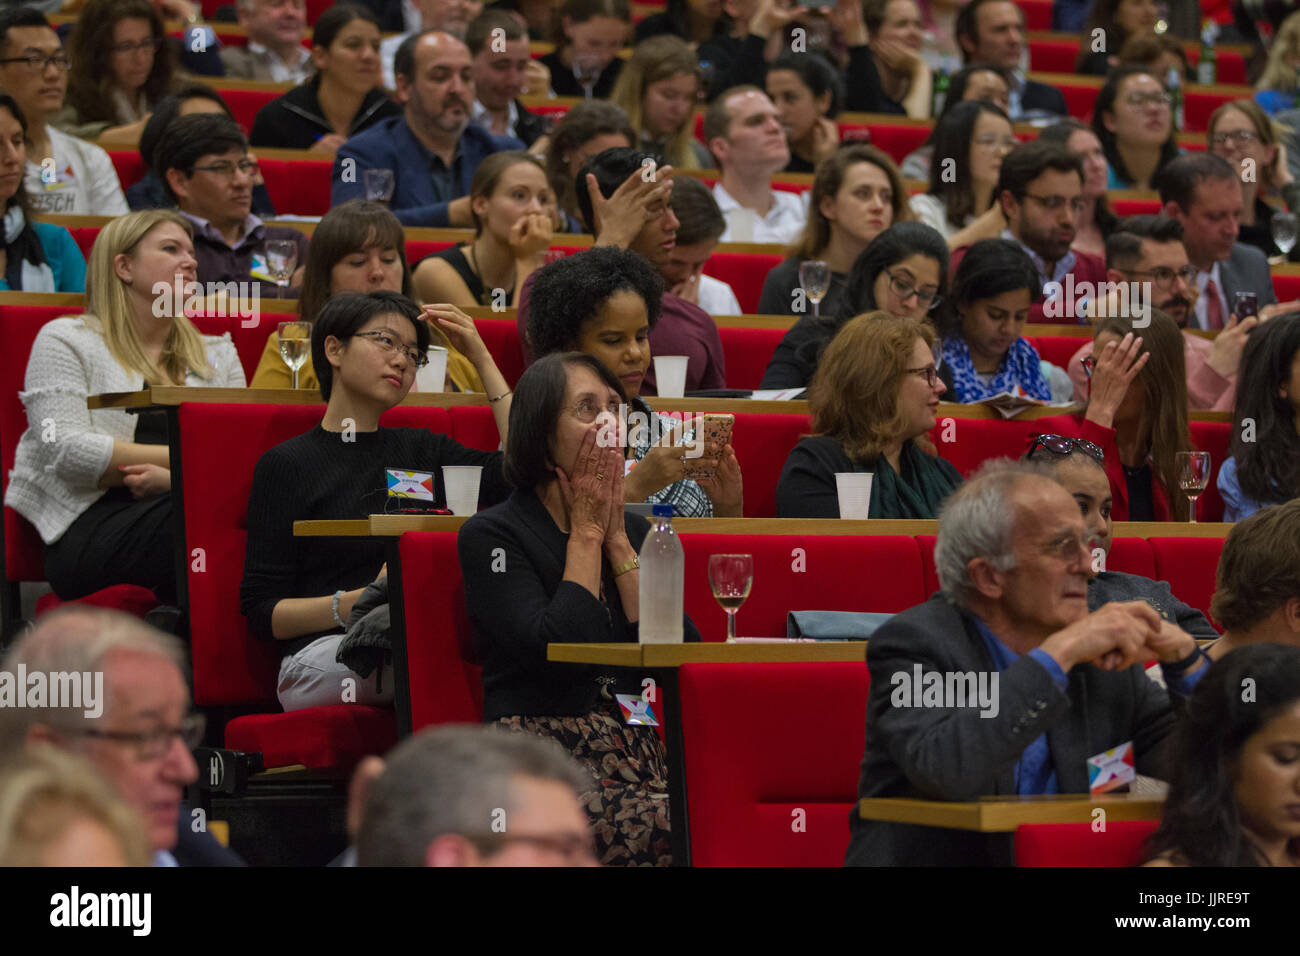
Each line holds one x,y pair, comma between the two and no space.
670,375
461,482
433,377
854,489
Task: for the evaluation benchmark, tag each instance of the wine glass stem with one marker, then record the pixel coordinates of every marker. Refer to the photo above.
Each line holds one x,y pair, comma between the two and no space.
817,305
295,376
731,625
1191,499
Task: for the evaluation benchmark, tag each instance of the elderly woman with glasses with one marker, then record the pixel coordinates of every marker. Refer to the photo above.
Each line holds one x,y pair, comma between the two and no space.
1133,118
873,400
299,592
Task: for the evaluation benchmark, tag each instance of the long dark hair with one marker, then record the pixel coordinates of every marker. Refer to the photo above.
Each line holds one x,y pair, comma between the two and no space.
1202,823
989,268
954,136
1268,466
1060,132
1105,103
1104,16
20,197
90,84
348,228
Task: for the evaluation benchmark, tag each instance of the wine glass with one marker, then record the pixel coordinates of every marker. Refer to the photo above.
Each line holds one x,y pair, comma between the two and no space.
815,280
1193,475
587,70
295,345
1284,231
379,184
730,576
281,260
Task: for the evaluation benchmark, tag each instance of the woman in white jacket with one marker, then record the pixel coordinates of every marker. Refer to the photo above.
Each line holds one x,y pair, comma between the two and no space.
96,483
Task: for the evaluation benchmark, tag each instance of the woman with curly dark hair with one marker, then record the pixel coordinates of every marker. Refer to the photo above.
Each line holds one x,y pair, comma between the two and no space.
603,303
1234,796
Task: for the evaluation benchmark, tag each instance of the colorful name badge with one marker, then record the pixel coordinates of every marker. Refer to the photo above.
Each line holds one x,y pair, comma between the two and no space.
410,484
1113,770
636,710
259,269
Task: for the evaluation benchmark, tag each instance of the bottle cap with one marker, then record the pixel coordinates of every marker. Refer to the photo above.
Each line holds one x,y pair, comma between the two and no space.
662,511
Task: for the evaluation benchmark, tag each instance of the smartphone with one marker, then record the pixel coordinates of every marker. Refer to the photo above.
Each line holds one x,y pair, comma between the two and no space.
716,429
1244,304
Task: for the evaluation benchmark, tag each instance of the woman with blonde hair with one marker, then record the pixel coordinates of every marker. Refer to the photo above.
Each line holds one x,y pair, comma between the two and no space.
55,810
96,484
1242,133
658,89
873,400
1275,90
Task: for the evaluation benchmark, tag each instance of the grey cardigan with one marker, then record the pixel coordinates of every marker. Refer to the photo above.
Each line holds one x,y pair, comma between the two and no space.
1109,586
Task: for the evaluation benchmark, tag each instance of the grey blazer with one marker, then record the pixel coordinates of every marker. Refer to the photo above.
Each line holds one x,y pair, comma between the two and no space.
1111,586
957,754
1246,270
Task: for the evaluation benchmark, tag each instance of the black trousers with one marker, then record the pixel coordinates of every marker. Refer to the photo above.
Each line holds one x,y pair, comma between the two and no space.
117,540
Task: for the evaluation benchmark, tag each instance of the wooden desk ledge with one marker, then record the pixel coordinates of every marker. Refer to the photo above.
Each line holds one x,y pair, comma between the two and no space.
1005,814
706,652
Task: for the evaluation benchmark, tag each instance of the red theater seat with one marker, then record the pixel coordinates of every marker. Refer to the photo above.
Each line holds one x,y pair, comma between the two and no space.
762,444
130,168
1212,437
245,104
793,736
501,336
744,272
1135,207
1057,349
1189,565
475,427
299,187
969,442
1287,288
1078,844
747,352
1131,556
898,141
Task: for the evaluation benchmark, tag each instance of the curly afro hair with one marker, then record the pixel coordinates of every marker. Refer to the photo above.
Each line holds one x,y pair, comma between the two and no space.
569,293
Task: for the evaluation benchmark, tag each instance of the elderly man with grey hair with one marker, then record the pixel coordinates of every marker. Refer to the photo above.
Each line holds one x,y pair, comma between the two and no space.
1003,683
476,796
274,53
123,704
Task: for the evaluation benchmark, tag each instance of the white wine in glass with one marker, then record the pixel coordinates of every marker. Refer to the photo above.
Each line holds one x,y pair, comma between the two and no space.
730,577
1284,231
815,280
281,260
1193,476
295,345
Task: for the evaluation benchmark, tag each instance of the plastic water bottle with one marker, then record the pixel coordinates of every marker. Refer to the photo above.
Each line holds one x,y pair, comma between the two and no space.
663,575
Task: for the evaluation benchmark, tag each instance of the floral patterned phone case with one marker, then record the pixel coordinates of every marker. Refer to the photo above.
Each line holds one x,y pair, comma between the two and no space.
716,428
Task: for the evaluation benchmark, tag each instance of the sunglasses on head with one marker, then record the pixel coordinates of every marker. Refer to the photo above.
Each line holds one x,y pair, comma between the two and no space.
1063,446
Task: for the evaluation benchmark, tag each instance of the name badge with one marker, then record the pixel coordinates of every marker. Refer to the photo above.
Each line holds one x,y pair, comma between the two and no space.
636,710
1113,770
259,268
410,484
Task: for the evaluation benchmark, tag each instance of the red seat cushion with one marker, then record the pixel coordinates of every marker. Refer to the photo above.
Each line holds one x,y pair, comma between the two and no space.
747,352
744,272
762,444
1189,565
333,737
1078,844
793,736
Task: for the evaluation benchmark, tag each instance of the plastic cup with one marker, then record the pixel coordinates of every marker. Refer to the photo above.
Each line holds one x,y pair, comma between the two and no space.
854,489
670,375
461,482
433,377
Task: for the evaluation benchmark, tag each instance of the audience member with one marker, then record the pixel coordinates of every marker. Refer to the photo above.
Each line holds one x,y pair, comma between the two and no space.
204,165
274,53
442,791
141,742
1119,21
807,93
992,290
886,71
56,811
395,16
658,88
970,142
699,228
35,256
1157,53
605,303
1243,134
1080,467
993,31
873,400
1203,192
587,129
1275,90
588,36
694,22
1264,463
571,551
902,272
98,493
1149,249
856,195
629,210
501,68
432,148
451,17
365,348
743,132
1232,793
979,81
1133,117
1136,413
1095,221
341,98
121,67
1013,561
64,175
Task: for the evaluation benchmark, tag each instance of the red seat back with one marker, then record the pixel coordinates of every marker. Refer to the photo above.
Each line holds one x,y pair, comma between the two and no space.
793,736
744,272
1057,349
762,444
1212,437
1078,844
244,104
1131,556
130,166
475,427
1286,288
969,442
501,336
747,352
299,187
898,141
417,249
1189,565
250,340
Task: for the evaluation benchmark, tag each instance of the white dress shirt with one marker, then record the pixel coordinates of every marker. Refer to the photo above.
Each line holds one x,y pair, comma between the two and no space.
300,72
717,297
782,225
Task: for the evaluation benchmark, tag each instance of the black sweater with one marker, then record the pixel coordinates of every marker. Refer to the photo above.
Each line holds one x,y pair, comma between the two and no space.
516,613
317,475
296,120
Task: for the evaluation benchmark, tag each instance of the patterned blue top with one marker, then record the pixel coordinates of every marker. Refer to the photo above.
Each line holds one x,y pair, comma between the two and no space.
1019,367
1236,503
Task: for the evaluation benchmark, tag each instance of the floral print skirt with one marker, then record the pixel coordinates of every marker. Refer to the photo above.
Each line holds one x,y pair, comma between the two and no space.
628,801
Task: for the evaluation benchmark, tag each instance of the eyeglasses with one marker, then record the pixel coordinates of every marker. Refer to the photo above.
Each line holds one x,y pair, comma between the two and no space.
1149,99
575,848
227,169
1242,137
389,344
993,142
1055,203
154,44
587,411
905,290
928,372
154,744
1163,276
39,63
1066,547
1064,446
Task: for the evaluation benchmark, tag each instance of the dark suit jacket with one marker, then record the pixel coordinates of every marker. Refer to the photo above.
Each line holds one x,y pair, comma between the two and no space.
389,14
1246,270
1040,96
956,754
200,849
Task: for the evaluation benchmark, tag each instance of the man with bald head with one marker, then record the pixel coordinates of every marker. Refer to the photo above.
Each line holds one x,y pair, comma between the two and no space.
447,16
432,148
1003,683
